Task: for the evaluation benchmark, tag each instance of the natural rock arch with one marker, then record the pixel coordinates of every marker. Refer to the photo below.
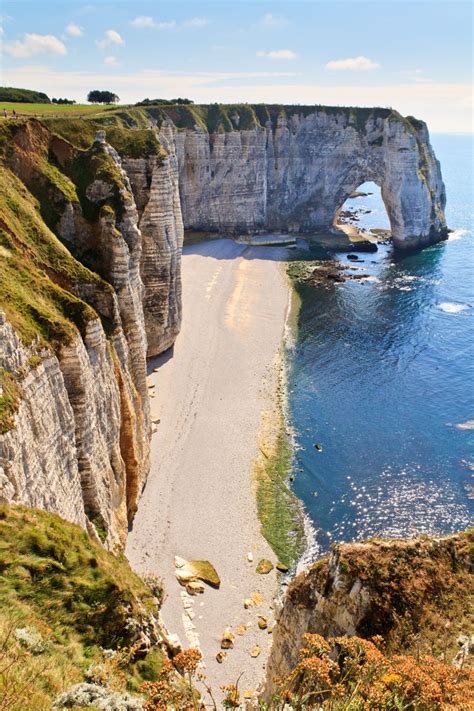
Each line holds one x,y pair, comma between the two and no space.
328,158
292,171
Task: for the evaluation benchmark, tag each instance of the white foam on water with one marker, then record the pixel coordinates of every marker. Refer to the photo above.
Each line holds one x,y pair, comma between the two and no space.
450,308
468,425
457,234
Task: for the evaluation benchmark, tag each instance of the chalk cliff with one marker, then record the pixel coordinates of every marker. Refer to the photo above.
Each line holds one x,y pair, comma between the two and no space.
74,435
154,180
277,168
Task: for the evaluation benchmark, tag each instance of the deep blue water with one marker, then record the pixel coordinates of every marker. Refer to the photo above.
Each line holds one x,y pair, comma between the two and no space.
380,376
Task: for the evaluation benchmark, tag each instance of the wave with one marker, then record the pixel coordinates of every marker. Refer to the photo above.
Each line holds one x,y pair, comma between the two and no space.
457,234
468,425
451,308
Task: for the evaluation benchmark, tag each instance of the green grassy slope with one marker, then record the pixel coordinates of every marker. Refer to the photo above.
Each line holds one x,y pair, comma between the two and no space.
70,599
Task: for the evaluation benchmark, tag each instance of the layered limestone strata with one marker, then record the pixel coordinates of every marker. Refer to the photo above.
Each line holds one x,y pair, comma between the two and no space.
154,181
293,171
415,593
74,436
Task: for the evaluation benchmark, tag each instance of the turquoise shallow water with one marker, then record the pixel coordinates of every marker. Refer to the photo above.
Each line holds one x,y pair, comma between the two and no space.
382,374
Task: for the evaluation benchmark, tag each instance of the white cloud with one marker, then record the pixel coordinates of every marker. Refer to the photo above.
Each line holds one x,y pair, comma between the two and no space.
352,64
33,44
111,62
278,54
196,23
269,20
165,25
147,22
143,21
74,30
110,38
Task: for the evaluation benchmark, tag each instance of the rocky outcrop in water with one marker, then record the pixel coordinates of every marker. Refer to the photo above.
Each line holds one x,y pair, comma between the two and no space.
280,168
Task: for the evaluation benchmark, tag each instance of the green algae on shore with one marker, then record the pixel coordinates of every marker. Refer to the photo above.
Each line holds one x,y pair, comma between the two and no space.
279,510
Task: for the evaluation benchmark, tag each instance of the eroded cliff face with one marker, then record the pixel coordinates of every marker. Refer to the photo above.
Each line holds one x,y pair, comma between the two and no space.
292,168
154,180
74,435
414,593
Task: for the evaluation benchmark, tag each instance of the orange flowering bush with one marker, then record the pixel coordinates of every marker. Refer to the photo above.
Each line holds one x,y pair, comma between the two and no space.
166,692
353,673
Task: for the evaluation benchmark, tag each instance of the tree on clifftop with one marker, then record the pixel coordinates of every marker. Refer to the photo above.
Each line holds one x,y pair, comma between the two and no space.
102,97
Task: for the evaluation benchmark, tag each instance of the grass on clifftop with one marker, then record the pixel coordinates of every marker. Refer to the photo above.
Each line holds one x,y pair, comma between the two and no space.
127,131
43,110
71,598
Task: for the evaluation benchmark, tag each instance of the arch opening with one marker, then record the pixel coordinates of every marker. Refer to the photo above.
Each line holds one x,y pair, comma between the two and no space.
363,214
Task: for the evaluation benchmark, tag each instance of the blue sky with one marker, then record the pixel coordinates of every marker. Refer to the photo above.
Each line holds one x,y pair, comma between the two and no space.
414,56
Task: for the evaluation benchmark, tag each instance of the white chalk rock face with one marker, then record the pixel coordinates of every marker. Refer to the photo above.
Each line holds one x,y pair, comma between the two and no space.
78,444
295,173
155,184
38,459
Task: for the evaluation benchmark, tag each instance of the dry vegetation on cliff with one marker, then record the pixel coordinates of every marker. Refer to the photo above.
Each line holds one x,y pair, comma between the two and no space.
386,624
420,592
354,674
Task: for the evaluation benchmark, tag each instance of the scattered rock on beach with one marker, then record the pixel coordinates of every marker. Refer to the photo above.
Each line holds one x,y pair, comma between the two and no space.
262,622
264,567
227,641
220,656
241,629
257,598
282,567
255,651
250,557
194,587
248,602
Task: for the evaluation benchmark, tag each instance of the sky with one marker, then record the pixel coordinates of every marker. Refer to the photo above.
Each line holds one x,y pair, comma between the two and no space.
415,56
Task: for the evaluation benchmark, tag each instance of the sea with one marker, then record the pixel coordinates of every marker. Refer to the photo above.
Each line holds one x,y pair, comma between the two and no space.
381,378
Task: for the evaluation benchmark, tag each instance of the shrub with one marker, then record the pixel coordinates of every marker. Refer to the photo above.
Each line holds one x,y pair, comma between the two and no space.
354,673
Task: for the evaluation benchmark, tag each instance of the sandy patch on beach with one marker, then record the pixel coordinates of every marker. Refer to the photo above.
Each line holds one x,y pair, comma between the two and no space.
199,501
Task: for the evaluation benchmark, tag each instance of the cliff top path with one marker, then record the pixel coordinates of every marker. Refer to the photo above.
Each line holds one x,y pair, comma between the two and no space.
199,501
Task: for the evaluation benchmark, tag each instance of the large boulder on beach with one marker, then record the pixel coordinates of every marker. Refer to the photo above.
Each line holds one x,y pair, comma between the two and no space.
188,571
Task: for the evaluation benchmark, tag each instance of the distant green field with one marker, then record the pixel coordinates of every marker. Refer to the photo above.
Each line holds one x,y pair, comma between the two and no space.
53,109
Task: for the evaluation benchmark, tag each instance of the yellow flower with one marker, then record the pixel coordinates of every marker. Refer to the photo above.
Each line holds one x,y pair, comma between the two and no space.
391,679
